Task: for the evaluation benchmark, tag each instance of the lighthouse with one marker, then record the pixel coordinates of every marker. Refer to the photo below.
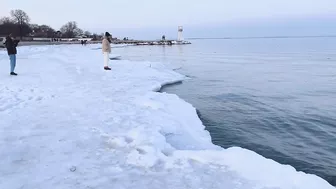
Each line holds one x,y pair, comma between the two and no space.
179,33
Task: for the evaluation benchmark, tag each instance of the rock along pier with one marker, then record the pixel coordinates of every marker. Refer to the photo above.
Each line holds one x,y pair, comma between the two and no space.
148,42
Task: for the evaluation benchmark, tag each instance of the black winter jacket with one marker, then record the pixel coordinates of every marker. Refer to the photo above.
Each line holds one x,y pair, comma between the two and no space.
11,45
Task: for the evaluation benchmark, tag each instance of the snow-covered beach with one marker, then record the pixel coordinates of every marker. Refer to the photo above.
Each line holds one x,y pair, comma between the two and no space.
66,123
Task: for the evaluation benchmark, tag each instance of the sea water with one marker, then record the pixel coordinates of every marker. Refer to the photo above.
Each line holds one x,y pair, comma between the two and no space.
275,96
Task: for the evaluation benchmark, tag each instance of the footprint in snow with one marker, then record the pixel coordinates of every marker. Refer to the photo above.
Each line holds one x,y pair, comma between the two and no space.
128,139
39,98
141,151
73,169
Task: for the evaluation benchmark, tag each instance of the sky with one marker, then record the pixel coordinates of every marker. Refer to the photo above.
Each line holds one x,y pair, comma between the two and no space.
200,18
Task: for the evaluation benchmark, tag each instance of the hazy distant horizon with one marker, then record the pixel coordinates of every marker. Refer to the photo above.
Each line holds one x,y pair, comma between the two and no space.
294,28
262,37
150,19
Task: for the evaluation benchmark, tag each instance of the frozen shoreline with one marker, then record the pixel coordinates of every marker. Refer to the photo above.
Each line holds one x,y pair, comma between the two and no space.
68,124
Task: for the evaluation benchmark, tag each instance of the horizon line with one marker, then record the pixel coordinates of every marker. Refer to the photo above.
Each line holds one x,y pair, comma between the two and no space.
263,37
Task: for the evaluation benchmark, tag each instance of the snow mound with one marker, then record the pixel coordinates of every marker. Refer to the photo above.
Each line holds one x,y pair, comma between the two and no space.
67,123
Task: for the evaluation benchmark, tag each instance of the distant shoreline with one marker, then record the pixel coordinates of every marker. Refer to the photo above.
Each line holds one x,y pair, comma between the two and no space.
130,42
32,43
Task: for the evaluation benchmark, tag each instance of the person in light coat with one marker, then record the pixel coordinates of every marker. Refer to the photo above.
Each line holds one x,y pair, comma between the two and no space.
106,47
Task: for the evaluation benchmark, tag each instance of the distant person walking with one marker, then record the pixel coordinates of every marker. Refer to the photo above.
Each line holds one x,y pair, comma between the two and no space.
11,45
106,47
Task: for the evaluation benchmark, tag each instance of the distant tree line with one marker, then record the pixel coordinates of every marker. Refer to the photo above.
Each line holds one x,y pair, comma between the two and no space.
18,23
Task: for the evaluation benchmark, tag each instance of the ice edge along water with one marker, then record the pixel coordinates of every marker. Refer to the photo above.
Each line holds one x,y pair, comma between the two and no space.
65,123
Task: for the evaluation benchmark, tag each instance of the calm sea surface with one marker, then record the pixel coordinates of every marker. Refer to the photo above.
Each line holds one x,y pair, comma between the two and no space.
276,97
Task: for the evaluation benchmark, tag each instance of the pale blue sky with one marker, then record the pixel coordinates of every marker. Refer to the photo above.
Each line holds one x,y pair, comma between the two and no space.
149,18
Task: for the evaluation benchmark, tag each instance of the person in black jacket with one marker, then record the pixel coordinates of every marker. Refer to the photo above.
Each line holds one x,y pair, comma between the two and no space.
11,45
